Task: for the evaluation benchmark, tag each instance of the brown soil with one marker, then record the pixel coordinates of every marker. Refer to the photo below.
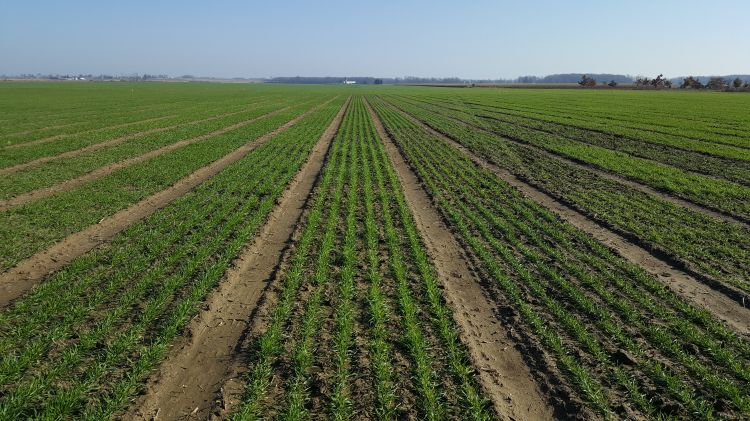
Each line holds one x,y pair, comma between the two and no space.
108,169
501,368
194,374
687,286
27,273
64,135
115,141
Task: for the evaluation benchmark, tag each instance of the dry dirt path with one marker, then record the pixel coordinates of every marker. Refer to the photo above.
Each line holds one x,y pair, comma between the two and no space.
736,219
32,270
722,306
111,142
501,368
193,376
109,169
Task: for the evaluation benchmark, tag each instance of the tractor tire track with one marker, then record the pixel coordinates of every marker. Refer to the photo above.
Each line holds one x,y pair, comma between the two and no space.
194,375
504,375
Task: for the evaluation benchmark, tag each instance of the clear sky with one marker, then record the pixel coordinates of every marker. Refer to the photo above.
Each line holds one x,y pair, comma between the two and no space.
470,39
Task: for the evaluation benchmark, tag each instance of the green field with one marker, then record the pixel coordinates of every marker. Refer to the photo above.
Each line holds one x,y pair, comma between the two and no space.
599,245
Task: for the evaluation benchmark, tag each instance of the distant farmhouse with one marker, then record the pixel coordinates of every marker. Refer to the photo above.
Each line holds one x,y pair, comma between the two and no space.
349,82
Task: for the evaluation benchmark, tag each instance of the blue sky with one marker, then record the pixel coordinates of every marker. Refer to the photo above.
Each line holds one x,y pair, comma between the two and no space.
479,39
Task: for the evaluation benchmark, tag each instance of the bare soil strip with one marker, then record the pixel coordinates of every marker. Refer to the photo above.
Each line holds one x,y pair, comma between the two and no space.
193,375
502,371
115,141
64,135
108,169
616,178
724,307
29,272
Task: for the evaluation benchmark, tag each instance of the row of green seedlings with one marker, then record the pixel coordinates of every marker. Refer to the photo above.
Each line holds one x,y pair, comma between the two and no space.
59,170
165,266
39,116
679,172
361,148
701,242
663,340
205,118
724,163
102,118
716,194
107,117
637,125
685,150
135,120
270,344
27,228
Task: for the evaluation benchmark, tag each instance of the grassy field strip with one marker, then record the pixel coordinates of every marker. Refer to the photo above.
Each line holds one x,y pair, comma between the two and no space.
101,172
318,272
729,152
50,123
727,166
666,109
118,109
33,157
29,228
58,171
168,291
511,248
639,123
513,396
578,122
681,282
29,271
106,121
659,226
25,157
719,198
638,129
61,136
199,369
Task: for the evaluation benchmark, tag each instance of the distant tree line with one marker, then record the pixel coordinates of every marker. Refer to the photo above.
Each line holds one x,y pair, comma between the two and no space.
716,83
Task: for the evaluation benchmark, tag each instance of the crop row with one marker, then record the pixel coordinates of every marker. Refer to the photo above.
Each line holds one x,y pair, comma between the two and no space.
58,170
27,228
81,344
190,118
39,111
675,118
701,242
621,339
717,194
353,337
722,162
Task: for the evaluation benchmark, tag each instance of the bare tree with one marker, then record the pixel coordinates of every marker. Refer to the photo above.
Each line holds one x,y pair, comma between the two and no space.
691,82
717,83
642,81
587,82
